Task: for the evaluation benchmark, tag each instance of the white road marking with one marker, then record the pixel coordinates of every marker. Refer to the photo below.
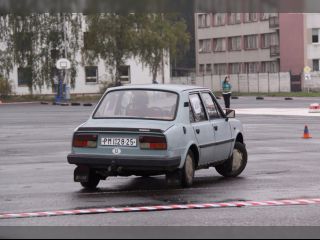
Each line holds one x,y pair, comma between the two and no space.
304,112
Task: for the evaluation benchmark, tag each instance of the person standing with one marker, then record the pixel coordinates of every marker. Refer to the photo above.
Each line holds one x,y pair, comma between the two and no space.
227,91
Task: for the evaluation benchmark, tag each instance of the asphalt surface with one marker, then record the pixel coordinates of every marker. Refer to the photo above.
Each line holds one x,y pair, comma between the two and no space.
35,176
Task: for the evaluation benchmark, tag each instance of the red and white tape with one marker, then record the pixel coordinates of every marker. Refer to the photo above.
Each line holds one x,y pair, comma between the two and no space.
162,208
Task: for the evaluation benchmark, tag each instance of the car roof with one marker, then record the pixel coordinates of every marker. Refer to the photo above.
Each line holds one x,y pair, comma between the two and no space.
165,87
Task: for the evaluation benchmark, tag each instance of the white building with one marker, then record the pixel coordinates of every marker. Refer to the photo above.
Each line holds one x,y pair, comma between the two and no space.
90,79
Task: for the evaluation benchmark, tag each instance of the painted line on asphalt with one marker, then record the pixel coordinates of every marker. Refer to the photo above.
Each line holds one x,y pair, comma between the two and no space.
302,112
162,208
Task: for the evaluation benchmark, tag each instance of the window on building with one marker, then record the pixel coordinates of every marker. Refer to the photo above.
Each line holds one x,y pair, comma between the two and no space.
219,44
205,46
269,39
315,35
125,75
23,41
220,69
251,67
201,68
235,43
209,68
219,19
204,20
88,41
234,18
24,76
270,67
91,74
251,42
266,16
316,65
235,68
251,17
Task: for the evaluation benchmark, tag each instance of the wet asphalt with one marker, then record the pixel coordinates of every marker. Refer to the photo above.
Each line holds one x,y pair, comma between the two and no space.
34,174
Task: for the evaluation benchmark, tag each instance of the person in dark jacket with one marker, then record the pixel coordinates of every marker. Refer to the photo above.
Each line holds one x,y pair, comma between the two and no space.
227,91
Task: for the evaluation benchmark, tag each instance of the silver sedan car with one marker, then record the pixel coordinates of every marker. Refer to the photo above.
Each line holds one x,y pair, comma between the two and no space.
150,130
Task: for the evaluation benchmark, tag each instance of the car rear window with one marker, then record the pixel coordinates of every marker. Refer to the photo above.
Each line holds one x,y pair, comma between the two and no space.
141,104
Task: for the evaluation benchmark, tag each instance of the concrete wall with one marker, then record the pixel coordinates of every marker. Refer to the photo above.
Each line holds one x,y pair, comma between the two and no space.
244,83
314,83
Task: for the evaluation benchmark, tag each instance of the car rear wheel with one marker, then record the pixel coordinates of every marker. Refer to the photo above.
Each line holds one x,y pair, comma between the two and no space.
92,183
188,171
184,176
236,164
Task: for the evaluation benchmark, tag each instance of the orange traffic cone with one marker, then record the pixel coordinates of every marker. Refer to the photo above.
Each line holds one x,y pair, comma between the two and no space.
306,134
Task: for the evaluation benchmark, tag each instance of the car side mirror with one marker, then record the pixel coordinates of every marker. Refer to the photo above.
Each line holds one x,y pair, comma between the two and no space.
230,113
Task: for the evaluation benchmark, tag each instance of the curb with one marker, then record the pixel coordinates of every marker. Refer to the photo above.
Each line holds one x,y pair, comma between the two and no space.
162,208
18,103
87,104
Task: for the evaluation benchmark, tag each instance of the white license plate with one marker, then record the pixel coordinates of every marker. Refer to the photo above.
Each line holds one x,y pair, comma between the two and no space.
124,142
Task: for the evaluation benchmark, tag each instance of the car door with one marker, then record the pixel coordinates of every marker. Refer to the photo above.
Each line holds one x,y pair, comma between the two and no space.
222,128
203,129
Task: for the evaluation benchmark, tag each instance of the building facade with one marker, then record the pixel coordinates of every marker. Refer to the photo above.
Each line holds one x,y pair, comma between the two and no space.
91,78
239,43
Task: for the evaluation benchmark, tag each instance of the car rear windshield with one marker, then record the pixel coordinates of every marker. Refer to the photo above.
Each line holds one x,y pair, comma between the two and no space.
141,104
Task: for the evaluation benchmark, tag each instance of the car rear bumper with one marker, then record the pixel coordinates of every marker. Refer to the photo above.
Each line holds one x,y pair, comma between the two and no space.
126,163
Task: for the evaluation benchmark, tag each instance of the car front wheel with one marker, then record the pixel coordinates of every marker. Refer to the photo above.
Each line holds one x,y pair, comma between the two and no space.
236,164
184,176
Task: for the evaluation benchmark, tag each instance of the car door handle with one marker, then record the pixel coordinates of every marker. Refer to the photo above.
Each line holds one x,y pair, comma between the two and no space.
198,131
216,128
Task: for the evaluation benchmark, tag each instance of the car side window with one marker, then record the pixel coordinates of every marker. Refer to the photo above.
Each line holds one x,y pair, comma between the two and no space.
211,107
191,115
197,108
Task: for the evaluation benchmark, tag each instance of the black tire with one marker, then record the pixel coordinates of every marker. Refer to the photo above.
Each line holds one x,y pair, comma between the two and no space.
188,171
93,182
236,164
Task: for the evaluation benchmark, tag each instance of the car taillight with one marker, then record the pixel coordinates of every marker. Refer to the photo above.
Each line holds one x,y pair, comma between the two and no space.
85,140
153,142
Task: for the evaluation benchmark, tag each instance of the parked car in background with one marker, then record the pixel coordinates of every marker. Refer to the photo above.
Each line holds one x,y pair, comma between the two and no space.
154,130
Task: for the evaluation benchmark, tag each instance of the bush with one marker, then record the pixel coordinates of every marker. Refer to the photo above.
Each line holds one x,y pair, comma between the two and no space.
5,87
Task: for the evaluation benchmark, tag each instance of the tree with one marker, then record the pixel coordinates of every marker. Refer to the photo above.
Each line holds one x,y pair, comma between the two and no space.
151,37
160,35
112,38
36,41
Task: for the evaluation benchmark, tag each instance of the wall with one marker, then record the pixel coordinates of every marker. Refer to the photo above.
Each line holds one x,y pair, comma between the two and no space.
292,37
314,83
244,83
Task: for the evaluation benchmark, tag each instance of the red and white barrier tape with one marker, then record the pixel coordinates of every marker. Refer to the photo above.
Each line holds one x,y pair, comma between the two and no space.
162,208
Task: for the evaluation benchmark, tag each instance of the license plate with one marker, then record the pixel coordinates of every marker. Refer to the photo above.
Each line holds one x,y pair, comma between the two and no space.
123,142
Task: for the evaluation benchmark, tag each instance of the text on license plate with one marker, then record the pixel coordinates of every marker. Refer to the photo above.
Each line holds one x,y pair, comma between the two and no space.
126,142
